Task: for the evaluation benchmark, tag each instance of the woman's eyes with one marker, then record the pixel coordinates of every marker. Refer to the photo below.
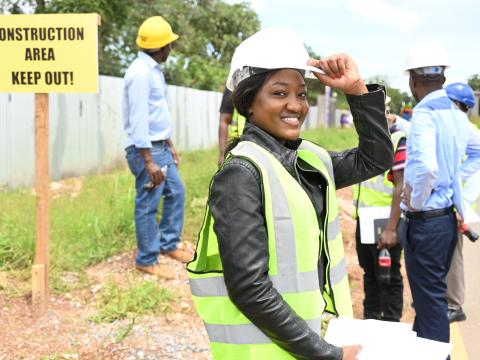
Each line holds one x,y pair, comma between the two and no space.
302,94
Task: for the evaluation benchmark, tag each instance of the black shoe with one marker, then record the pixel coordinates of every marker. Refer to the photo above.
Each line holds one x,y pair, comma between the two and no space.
456,315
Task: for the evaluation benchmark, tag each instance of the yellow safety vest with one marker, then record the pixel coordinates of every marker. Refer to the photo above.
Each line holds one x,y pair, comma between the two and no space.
235,128
377,191
294,242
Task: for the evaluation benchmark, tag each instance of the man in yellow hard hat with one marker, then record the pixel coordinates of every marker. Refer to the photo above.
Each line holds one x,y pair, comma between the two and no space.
150,152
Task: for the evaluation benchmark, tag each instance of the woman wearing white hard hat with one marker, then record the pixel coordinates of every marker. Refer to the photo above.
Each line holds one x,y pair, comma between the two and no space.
269,260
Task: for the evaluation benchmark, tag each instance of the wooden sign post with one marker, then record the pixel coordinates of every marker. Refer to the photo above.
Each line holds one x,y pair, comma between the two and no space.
42,179
47,53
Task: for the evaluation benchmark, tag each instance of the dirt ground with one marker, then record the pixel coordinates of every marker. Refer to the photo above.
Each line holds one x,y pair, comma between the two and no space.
67,331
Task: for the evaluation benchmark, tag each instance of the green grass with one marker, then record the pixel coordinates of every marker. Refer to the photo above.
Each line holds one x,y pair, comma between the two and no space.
136,298
333,139
98,223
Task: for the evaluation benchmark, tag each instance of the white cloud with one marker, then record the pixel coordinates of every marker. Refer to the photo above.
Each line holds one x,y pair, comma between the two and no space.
385,14
258,5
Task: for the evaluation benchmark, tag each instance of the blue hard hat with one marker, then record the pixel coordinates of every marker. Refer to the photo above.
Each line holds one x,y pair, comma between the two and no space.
462,93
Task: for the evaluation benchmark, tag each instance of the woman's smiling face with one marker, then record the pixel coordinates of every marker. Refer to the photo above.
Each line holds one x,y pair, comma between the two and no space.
280,105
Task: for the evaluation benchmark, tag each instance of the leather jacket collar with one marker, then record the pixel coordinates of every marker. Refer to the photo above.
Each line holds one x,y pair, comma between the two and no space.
286,154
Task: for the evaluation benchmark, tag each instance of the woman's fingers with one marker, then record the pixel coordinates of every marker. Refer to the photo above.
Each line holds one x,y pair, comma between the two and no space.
341,73
324,78
341,64
333,66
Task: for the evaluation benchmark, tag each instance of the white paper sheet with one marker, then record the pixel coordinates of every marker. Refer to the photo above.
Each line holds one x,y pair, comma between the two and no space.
367,215
378,338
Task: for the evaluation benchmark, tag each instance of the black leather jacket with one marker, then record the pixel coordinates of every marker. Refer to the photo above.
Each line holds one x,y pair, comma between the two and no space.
237,207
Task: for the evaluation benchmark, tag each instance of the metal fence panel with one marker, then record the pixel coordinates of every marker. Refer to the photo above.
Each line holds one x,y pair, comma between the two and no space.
17,151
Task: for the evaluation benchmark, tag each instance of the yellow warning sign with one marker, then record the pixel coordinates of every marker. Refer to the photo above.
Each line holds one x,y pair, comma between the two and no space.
46,53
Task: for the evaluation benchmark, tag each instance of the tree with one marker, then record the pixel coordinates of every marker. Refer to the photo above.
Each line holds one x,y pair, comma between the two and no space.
216,29
209,32
474,82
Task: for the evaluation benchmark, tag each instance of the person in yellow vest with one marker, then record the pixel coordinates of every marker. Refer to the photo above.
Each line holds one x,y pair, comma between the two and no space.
270,260
383,299
230,125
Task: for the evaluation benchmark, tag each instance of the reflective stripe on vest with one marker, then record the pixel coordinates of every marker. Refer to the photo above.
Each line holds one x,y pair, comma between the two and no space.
378,184
247,333
282,220
289,283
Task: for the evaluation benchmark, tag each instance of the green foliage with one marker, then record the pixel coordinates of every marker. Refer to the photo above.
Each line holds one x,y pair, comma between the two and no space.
474,82
17,229
113,47
207,42
196,170
84,229
137,298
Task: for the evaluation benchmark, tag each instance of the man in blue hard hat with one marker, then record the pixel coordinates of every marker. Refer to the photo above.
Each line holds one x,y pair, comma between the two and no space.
462,95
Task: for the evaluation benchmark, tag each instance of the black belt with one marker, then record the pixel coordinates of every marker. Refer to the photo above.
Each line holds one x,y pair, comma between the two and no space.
424,215
158,142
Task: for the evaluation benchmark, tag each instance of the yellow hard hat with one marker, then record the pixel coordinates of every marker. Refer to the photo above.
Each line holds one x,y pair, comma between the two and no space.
155,33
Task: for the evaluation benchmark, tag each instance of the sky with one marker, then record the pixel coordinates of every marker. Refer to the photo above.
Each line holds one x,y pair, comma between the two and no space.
378,33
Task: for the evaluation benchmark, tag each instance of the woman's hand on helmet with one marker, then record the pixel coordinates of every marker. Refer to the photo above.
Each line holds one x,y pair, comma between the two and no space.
340,73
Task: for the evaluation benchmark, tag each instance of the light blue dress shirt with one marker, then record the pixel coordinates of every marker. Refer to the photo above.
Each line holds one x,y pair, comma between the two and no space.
442,149
146,116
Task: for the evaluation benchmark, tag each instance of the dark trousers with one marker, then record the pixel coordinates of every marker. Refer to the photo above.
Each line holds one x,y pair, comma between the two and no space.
429,245
382,301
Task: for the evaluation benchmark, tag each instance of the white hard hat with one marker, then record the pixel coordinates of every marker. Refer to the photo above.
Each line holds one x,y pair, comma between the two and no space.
430,58
272,48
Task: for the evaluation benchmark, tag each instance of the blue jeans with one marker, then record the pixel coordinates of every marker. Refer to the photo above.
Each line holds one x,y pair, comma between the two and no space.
153,238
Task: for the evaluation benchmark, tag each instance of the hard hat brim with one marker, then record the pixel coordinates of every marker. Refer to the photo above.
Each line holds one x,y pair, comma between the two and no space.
407,71
312,69
309,73
158,44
